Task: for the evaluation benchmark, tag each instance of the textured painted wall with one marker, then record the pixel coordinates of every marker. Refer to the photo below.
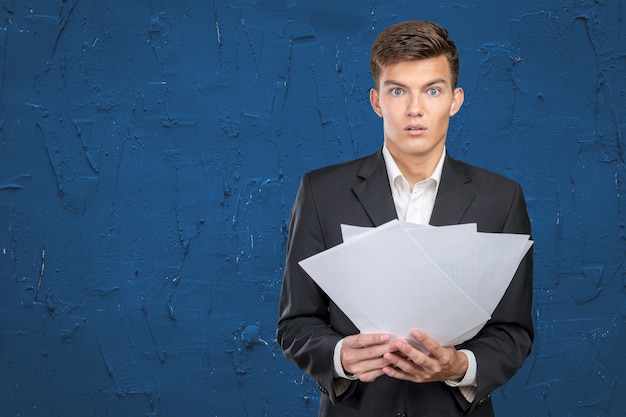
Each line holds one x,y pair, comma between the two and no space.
150,152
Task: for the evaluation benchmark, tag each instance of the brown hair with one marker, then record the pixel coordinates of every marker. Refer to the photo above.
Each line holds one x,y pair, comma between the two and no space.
412,40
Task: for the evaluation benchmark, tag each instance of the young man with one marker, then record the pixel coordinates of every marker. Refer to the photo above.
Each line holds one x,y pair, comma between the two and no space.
415,70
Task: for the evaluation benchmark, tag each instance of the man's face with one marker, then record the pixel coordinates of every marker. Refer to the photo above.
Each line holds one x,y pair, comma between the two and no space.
416,100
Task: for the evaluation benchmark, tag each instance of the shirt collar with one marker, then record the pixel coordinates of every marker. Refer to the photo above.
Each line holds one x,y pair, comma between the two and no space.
394,172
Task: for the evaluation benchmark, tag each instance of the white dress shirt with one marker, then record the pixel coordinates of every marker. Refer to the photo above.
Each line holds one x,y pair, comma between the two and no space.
416,205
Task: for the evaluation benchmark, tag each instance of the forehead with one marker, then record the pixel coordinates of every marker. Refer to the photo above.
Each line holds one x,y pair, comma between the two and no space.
417,71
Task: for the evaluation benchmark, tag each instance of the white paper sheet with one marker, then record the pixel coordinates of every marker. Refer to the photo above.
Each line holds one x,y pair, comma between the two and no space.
453,248
445,281
383,279
499,256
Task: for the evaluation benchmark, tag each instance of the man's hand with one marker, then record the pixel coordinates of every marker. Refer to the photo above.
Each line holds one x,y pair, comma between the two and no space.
411,364
362,355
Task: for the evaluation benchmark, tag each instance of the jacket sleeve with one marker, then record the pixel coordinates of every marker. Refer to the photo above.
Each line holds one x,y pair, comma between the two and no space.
505,342
303,330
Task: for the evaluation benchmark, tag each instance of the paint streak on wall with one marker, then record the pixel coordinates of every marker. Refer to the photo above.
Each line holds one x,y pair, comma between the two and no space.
150,153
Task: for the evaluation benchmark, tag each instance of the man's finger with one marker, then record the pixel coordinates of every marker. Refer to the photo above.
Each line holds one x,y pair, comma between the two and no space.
365,340
429,343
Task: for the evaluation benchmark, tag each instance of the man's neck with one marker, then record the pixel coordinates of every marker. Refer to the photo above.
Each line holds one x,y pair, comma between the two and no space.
417,168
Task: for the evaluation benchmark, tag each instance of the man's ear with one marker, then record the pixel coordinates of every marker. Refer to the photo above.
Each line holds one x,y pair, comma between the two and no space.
457,101
375,102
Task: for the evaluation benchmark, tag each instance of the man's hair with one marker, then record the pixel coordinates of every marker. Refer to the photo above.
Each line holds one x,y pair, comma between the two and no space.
413,40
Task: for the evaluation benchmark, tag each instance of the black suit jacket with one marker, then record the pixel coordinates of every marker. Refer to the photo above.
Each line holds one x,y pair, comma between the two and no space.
310,324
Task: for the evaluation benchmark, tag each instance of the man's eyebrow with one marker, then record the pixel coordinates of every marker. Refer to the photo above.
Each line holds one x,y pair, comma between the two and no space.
428,84
437,81
394,83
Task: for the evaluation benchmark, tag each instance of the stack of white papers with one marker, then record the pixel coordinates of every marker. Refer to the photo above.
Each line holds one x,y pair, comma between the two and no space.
445,281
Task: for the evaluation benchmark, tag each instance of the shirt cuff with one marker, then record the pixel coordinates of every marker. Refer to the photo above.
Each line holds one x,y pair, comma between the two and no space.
468,384
338,368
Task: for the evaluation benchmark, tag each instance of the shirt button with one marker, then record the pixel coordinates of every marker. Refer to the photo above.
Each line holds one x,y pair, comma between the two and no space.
401,415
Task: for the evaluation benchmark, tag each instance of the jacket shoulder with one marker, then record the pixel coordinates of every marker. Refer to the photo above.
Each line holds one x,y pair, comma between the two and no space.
481,175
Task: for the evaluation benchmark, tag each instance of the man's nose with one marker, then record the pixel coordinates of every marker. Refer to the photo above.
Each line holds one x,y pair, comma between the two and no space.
414,106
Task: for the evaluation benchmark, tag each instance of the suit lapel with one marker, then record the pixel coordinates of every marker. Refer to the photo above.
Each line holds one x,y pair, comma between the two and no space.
454,195
374,192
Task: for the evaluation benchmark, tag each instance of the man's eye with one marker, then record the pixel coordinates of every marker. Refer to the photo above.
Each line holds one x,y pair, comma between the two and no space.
433,91
397,91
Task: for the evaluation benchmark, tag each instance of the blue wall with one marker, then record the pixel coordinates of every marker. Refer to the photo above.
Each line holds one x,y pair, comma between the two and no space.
150,152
